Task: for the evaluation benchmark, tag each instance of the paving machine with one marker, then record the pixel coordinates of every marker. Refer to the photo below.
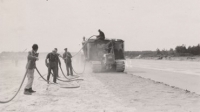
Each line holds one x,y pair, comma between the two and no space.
105,55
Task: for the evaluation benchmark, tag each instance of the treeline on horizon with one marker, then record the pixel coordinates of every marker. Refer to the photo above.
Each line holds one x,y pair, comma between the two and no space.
181,50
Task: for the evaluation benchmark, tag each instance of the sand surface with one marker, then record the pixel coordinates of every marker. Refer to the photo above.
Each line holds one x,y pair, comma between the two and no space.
92,96
101,92
150,96
182,74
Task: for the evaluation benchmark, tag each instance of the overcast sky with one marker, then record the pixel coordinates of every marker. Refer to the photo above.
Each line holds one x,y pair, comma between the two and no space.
142,24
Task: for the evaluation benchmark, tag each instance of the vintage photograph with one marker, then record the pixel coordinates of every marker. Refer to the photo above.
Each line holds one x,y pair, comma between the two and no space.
99,56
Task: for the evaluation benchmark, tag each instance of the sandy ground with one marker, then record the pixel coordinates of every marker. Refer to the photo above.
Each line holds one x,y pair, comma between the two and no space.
92,96
150,96
182,74
180,58
101,92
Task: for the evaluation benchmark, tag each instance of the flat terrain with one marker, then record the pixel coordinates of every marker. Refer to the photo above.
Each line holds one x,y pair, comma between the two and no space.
101,92
182,74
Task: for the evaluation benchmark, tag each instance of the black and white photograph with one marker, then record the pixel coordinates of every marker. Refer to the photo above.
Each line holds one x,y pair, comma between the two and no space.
99,55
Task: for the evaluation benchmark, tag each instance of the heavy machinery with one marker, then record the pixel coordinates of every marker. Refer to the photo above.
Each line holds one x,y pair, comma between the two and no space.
105,55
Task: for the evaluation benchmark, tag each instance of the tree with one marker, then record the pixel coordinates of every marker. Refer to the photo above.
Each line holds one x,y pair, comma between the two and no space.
164,52
158,52
171,51
181,49
198,49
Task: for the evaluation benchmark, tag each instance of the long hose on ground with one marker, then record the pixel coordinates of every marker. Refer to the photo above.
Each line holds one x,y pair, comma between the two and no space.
69,80
41,77
16,92
18,88
44,78
64,74
59,79
66,80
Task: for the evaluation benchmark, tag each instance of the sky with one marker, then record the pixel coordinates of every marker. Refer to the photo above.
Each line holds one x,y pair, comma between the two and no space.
142,24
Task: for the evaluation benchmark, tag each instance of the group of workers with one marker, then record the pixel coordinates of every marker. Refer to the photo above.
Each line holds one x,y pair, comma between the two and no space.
52,62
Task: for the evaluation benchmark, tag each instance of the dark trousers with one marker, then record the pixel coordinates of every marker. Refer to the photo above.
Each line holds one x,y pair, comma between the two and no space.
69,67
57,69
54,73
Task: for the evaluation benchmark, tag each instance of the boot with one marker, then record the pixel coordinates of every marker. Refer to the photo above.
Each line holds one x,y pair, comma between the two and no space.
27,92
31,90
55,82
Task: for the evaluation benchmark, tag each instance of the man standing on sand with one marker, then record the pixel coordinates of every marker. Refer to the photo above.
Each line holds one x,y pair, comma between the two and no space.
30,66
52,65
84,47
67,58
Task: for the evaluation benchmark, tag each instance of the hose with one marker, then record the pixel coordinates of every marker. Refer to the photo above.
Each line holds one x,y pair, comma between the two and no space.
65,80
18,88
82,71
41,75
69,80
60,80
77,53
64,74
83,46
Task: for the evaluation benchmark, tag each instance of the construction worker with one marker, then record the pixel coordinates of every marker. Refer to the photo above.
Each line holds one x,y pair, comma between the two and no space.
67,58
53,59
84,47
101,35
30,66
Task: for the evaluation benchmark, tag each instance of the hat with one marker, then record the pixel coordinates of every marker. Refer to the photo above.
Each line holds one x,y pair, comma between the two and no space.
65,49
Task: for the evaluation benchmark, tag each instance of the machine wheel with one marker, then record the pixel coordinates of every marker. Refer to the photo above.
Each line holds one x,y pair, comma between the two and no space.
120,66
96,68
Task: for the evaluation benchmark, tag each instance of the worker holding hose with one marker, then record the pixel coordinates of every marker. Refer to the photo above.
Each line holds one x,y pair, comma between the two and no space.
67,58
32,58
84,47
52,65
